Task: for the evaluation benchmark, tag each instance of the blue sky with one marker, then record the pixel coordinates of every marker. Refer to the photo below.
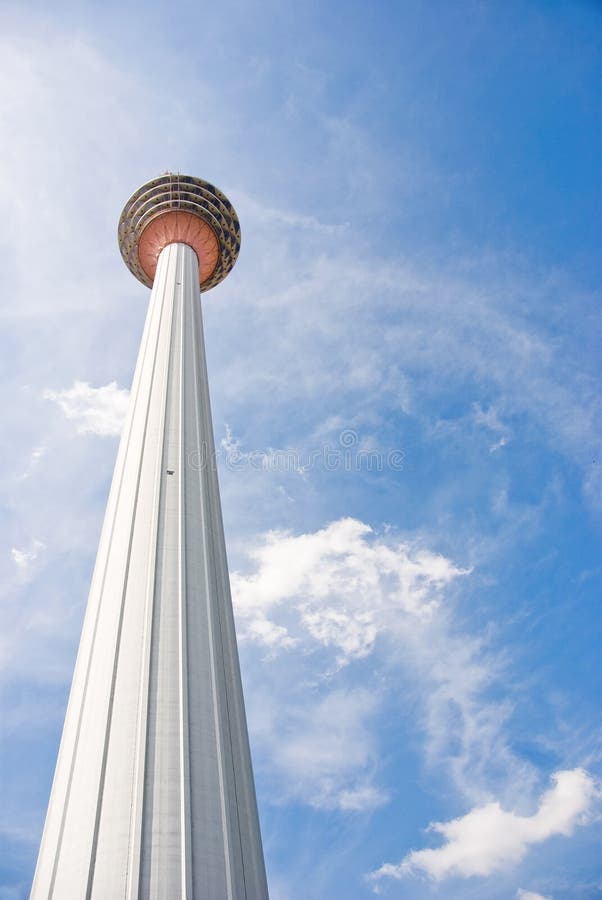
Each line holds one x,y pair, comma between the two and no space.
405,376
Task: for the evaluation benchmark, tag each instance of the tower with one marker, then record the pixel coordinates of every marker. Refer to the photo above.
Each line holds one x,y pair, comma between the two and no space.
153,795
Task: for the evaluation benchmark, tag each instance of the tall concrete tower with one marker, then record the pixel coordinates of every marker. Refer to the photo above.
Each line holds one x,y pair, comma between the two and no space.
153,795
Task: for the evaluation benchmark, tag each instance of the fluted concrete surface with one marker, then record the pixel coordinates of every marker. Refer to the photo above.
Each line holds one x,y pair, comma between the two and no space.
153,793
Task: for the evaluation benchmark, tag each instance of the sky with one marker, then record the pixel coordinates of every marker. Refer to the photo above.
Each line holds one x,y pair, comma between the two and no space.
405,377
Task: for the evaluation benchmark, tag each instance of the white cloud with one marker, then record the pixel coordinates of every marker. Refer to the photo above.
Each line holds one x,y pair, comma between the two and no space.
269,634
323,751
260,213
24,558
100,410
482,339
269,459
36,455
34,460
489,839
230,444
349,593
530,895
490,418
337,591
344,582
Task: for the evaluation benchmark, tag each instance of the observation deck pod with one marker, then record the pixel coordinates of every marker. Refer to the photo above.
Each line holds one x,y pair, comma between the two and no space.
179,209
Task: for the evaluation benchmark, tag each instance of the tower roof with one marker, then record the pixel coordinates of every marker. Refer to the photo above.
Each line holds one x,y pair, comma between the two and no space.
179,208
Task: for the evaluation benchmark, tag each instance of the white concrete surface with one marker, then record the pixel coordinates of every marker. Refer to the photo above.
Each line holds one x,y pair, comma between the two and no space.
153,795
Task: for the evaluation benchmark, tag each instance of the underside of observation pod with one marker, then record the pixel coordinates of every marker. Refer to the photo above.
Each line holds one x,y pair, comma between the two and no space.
178,208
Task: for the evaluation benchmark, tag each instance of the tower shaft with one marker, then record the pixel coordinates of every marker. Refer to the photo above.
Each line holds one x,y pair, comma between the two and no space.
153,795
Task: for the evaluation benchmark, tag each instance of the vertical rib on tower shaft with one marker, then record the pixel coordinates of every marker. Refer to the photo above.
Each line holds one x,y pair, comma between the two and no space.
153,795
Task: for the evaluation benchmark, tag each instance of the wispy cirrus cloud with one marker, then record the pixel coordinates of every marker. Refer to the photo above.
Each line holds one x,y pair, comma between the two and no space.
490,419
530,895
24,557
321,747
